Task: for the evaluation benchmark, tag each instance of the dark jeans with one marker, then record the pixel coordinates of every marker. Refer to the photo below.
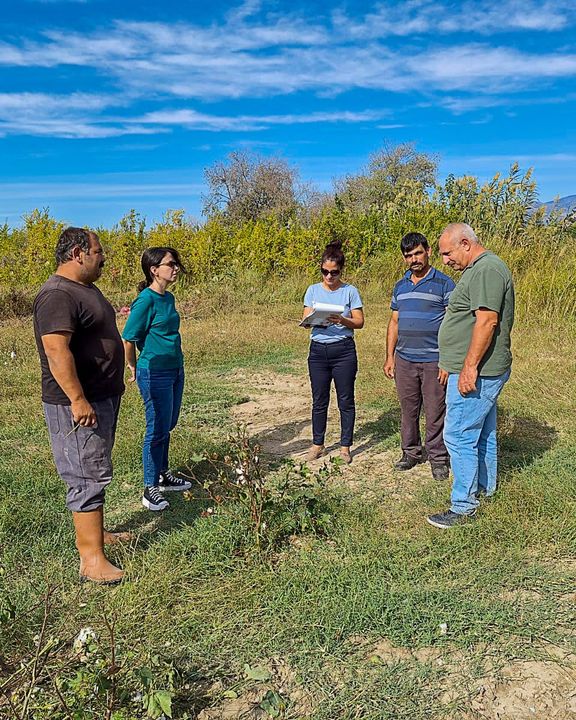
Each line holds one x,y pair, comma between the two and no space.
326,362
83,455
161,391
417,384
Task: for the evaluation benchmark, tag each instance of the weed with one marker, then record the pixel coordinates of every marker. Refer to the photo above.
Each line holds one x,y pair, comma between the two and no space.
291,499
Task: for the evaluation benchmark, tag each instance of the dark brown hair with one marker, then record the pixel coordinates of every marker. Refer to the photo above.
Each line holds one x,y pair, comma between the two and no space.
152,257
69,239
333,252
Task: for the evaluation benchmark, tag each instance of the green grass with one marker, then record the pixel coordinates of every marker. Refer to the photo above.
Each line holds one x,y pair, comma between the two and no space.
199,603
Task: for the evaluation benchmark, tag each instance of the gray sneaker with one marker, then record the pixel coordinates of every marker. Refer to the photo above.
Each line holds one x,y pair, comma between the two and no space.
449,519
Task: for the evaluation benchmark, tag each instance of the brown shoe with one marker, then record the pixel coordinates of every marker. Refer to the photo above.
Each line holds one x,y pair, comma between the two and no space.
315,452
346,456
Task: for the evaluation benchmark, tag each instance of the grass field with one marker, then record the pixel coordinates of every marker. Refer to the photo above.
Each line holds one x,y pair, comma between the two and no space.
381,617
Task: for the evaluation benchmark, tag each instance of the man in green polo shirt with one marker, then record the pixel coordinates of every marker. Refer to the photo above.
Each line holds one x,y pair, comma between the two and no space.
475,356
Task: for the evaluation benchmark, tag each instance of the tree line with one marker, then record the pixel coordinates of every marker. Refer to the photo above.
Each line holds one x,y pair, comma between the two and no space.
260,215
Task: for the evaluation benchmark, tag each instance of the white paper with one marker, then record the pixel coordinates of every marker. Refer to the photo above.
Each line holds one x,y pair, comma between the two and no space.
319,315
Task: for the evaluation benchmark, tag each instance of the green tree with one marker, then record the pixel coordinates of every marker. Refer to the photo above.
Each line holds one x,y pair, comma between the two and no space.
39,237
390,171
124,245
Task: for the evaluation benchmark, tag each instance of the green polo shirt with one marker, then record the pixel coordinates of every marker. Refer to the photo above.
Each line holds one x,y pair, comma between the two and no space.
154,325
485,283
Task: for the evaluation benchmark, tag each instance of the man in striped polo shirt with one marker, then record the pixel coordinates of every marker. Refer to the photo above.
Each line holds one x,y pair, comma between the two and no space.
418,305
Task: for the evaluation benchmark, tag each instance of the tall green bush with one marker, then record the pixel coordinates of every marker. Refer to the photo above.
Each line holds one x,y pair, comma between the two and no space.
502,212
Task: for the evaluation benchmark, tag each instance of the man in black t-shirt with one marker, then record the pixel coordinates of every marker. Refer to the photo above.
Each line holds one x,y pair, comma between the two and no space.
82,362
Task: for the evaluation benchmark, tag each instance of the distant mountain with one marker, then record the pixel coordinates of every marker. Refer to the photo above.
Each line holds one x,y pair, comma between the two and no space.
563,205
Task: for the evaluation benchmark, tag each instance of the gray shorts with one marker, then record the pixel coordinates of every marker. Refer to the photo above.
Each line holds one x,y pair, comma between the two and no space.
83,457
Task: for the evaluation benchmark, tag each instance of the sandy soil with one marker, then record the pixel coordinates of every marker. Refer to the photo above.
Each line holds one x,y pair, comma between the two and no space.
278,415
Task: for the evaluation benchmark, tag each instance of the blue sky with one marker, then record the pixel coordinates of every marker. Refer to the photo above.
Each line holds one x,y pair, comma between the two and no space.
107,106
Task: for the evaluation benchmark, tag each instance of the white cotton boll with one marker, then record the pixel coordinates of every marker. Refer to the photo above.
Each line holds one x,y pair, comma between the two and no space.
85,636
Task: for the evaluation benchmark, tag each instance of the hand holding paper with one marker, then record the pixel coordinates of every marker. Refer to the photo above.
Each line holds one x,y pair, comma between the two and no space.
323,315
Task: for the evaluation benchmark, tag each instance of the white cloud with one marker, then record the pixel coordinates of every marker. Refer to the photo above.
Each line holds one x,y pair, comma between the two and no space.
30,104
68,116
253,53
59,190
148,62
425,17
203,121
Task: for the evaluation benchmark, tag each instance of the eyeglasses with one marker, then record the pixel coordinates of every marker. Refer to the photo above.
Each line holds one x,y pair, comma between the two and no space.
171,263
332,273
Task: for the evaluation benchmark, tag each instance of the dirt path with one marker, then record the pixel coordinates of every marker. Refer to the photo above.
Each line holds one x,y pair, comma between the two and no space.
278,415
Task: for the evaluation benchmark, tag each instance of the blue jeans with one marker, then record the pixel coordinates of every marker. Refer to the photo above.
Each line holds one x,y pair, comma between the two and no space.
470,436
326,362
161,391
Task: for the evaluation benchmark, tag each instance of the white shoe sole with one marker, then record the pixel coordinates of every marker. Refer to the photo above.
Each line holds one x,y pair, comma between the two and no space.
155,508
182,488
449,527
439,525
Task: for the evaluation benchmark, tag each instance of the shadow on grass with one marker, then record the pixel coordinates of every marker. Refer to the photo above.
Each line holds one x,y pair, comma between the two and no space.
374,432
185,508
522,439
283,441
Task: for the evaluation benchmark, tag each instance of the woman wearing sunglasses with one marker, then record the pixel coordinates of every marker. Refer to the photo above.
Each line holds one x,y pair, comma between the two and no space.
153,327
333,352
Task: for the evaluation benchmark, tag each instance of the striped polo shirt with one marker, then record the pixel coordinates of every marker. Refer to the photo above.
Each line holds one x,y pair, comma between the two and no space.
421,309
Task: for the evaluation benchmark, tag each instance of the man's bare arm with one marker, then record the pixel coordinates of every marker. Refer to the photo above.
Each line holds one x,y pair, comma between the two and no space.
391,342
63,368
484,328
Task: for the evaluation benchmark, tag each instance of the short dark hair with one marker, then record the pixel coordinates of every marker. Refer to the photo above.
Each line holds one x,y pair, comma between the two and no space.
411,240
333,252
69,239
152,257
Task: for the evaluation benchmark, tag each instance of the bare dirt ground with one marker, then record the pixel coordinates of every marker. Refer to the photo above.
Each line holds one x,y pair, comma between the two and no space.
278,415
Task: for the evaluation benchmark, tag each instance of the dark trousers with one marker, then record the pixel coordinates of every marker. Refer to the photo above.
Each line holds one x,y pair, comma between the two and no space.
417,384
326,362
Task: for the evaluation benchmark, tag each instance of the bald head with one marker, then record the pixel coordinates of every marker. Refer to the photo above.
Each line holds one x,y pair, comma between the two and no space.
459,246
457,231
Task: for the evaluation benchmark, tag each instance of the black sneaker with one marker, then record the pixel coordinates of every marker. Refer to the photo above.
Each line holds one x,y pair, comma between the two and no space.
170,483
154,500
448,519
407,462
440,471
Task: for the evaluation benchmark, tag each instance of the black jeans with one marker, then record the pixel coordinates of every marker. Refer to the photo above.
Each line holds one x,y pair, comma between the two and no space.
326,362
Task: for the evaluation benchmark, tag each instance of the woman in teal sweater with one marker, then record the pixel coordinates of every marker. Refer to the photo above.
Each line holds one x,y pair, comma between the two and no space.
153,327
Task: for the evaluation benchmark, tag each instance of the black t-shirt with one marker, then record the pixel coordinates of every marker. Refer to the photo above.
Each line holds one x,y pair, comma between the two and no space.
63,305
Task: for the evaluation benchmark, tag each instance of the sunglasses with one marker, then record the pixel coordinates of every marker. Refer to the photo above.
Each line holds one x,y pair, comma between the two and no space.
332,273
171,263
